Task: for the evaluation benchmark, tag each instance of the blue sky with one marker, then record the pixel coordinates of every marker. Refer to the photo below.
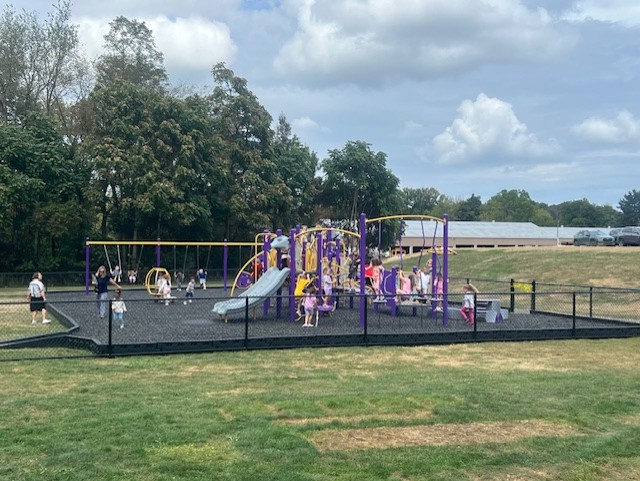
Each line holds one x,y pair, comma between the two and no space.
466,96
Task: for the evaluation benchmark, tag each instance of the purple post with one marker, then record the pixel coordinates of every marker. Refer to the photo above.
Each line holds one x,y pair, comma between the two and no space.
363,258
320,251
278,251
445,270
225,261
266,246
158,252
393,300
338,261
87,274
292,275
279,266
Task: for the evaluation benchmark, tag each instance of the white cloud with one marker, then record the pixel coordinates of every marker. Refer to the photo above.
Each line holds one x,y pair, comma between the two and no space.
306,124
625,12
624,128
487,126
375,41
193,43
411,128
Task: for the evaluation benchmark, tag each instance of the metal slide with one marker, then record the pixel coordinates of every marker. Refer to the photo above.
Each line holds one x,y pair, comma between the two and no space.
266,286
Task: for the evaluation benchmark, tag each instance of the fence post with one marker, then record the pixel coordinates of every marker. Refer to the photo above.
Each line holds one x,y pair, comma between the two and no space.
110,323
573,328
590,302
533,296
246,322
475,315
512,289
364,316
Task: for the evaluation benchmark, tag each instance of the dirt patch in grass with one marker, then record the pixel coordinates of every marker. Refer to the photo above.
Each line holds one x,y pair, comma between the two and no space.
220,451
357,419
436,435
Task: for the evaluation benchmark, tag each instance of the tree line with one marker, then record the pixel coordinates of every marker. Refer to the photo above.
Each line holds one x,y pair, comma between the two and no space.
105,148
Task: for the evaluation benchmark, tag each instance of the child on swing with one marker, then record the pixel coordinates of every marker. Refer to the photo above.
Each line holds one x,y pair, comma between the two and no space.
377,272
438,288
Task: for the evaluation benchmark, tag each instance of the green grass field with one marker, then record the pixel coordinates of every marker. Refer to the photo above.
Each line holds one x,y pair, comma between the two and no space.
514,411
556,410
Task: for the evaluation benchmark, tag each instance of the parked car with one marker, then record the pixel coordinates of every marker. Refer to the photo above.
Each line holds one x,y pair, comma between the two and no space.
591,237
629,236
614,233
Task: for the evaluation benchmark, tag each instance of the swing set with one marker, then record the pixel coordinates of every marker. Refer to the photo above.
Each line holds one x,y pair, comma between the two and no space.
440,257
158,244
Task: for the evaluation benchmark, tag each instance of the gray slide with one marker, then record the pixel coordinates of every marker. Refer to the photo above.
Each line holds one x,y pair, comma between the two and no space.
265,287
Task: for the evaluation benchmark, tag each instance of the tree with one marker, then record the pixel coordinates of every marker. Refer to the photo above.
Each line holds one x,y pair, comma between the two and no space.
630,207
420,201
153,162
509,206
254,190
469,209
39,62
582,213
357,180
131,55
42,192
297,165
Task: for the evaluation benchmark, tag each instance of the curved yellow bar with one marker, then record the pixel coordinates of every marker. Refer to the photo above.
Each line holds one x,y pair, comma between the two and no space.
407,216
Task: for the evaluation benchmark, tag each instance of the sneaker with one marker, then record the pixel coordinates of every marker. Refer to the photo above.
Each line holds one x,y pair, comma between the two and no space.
33,321
121,326
46,321
439,309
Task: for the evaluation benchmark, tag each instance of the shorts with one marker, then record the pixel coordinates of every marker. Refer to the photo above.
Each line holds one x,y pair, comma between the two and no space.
37,304
189,294
309,311
328,291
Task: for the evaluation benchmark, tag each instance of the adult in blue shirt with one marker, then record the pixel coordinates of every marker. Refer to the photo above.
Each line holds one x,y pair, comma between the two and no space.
103,279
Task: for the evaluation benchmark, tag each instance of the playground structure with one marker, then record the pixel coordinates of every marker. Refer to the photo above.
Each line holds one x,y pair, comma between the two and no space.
300,258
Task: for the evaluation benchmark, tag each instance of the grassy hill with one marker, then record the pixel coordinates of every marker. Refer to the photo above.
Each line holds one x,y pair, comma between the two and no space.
584,266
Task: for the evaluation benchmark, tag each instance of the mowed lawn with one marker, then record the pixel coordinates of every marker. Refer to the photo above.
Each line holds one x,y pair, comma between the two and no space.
552,410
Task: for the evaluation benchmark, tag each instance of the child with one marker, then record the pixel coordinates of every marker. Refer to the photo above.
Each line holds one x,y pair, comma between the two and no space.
119,308
179,278
202,278
424,287
166,289
310,304
405,286
191,287
377,273
468,303
438,287
327,285
354,266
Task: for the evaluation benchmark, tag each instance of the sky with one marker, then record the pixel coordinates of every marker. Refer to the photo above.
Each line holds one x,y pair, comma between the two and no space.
465,96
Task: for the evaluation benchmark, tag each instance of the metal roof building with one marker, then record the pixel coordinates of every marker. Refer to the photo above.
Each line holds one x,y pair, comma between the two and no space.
484,234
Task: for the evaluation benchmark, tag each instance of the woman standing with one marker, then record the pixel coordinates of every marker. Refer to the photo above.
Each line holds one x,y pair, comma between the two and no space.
103,279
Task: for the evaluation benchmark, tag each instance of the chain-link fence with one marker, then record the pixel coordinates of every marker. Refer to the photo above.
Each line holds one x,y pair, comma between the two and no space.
181,324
